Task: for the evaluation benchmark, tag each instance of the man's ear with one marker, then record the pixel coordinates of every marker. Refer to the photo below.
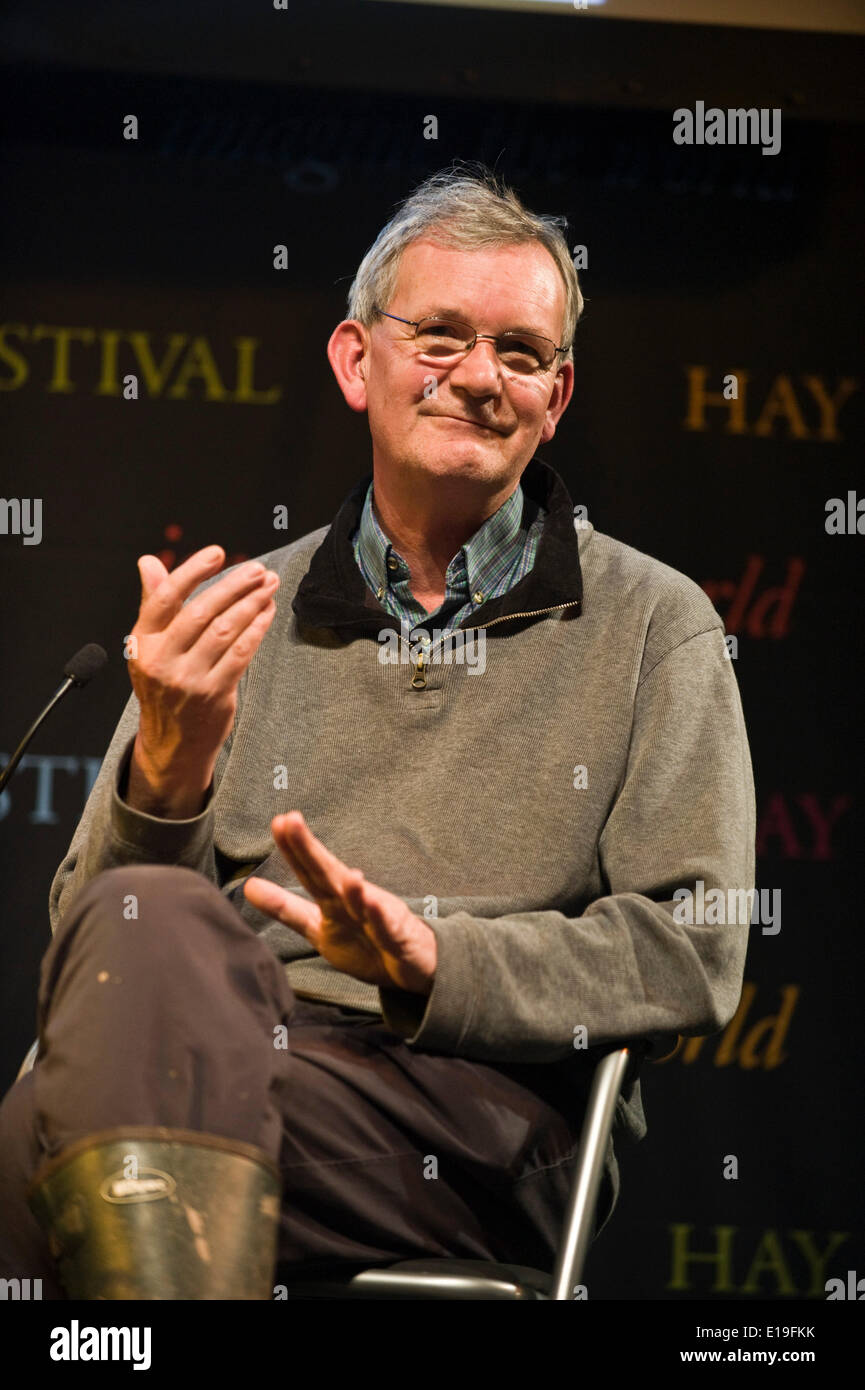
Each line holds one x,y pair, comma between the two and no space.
562,392
347,353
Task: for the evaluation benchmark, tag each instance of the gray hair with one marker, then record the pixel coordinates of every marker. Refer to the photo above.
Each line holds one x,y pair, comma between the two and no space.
465,210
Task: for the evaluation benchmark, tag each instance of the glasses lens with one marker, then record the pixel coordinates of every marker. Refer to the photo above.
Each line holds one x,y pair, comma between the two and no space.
518,352
442,337
523,352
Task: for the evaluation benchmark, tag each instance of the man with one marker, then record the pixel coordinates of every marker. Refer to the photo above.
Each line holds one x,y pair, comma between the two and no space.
465,857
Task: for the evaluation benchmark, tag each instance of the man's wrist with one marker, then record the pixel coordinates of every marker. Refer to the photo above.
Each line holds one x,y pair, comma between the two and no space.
168,798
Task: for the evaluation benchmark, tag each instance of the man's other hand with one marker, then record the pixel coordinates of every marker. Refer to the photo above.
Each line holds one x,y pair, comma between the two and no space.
361,929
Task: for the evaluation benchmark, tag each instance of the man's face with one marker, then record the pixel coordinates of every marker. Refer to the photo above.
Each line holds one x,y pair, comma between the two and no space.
471,418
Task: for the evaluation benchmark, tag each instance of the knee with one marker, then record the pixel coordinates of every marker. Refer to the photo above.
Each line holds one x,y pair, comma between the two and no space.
146,893
150,878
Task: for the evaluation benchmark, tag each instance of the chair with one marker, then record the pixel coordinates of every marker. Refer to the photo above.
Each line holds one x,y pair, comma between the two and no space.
444,1278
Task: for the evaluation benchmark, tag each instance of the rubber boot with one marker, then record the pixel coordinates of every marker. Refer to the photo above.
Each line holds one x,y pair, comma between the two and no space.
151,1213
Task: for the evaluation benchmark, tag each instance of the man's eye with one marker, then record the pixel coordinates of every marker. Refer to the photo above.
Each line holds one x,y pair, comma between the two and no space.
444,330
442,337
517,351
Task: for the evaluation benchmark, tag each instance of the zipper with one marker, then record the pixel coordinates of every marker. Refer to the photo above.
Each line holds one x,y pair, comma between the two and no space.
418,680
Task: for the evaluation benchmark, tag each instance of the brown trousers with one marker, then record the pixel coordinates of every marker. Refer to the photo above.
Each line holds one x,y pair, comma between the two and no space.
168,1019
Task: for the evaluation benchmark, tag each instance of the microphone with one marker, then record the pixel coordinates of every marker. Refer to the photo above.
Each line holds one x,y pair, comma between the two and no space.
79,669
84,665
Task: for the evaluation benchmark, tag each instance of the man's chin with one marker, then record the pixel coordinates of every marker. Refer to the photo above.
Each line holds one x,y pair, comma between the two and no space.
467,469
460,462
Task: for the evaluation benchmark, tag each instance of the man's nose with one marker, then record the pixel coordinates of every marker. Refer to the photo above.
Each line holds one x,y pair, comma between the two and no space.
478,371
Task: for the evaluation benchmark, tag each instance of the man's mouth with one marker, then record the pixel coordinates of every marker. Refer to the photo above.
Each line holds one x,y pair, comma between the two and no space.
460,420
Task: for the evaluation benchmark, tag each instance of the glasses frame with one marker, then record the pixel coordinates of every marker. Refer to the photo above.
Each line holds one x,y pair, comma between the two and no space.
491,337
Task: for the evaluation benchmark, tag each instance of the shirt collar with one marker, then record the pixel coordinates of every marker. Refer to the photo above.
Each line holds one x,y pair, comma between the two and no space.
471,567
333,593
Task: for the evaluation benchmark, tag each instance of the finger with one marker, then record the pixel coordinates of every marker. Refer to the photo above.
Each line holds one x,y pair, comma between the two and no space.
323,874
379,922
294,860
151,572
206,626
243,642
212,619
176,586
353,895
305,917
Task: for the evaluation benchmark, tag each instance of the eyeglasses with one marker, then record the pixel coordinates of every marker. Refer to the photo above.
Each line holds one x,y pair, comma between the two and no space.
443,338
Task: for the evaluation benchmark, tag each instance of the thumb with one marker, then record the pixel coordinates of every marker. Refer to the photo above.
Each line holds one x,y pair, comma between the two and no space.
151,572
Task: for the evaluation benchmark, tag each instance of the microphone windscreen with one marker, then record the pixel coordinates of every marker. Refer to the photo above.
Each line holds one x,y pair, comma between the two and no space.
84,665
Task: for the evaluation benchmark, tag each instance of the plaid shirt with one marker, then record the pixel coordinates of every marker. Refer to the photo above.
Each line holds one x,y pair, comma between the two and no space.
496,557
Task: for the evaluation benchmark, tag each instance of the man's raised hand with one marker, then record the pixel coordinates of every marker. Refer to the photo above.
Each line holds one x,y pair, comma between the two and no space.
187,662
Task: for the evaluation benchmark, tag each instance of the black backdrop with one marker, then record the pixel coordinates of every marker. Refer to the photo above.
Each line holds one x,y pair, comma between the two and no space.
701,262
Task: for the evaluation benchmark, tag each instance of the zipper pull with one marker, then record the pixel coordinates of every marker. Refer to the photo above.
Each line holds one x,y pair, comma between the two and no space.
418,680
